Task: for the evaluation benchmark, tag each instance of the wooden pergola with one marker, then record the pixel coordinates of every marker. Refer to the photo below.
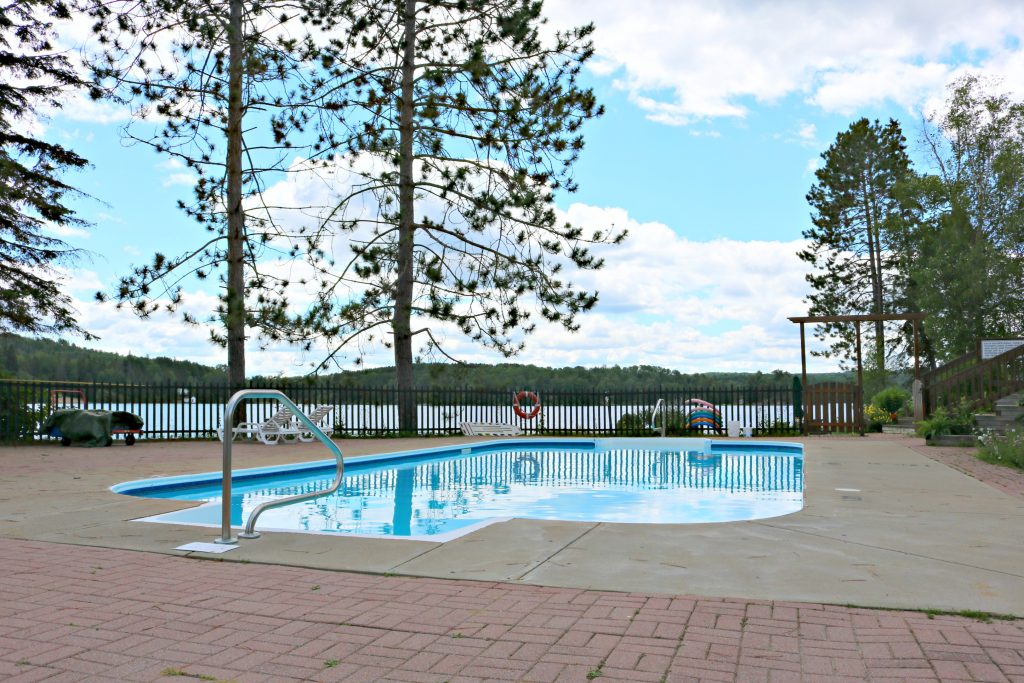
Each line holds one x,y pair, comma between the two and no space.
914,318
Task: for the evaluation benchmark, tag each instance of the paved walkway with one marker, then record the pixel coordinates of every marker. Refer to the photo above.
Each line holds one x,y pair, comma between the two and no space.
1006,479
70,613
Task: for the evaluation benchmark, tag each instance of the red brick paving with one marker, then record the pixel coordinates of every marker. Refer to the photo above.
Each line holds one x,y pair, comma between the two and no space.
73,613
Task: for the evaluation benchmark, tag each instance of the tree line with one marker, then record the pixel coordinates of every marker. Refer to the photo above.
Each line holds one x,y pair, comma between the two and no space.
946,239
43,359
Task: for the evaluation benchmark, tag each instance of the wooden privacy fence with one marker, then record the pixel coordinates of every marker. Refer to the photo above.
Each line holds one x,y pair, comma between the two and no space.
833,407
176,412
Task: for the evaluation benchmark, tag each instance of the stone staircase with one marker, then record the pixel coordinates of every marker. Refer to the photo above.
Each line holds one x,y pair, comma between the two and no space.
904,426
1009,414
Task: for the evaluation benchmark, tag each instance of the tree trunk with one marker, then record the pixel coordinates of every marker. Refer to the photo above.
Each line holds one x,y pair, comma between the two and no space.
869,203
235,296
401,322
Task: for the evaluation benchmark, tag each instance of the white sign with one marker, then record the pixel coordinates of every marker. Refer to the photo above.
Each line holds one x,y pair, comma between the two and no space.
990,348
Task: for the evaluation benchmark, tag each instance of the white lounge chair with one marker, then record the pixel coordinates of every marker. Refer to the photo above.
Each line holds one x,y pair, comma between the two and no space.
281,426
269,431
317,416
490,429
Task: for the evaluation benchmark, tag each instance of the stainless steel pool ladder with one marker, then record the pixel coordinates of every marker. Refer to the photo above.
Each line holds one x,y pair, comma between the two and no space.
660,405
225,501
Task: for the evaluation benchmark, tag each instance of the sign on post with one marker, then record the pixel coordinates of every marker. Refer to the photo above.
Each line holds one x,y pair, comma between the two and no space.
990,348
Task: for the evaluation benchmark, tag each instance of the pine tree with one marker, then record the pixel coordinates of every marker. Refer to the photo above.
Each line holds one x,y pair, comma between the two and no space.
216,72
859,214
461,123
33,197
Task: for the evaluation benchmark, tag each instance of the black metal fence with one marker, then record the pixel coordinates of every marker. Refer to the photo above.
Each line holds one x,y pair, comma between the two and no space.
196,412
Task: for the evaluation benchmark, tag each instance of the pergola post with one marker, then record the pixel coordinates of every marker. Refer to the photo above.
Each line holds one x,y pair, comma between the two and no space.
858,408
803,379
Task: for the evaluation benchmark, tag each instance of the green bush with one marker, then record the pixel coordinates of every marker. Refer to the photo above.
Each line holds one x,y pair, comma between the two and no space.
631,424
876,417
953,420
1003,450
891,399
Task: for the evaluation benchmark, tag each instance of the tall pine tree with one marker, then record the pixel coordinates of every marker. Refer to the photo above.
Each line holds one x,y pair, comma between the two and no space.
215,73
462,123
859,214
32,194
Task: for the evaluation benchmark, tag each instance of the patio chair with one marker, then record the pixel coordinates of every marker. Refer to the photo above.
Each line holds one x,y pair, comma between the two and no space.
490,429
317,416
281,425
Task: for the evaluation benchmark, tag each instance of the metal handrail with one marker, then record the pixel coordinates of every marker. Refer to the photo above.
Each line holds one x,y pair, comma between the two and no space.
660,405
225,503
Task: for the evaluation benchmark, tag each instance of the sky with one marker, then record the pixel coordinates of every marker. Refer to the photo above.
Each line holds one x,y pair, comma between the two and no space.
716,116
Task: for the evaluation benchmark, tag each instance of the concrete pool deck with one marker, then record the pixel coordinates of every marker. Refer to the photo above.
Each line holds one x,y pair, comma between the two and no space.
882,526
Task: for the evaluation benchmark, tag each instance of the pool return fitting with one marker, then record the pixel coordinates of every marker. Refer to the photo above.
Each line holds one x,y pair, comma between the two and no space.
225,502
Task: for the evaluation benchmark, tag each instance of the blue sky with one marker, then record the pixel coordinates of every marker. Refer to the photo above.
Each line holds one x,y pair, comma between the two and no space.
716,116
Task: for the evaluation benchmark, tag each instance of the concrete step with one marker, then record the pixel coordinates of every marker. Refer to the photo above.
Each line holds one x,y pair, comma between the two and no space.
1011,413
899,428
1011,401
996,423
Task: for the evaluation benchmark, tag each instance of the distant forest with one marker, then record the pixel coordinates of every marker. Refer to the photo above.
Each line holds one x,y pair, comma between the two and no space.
43,359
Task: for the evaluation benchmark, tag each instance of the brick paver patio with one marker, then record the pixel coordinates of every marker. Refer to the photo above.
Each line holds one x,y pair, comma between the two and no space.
85,613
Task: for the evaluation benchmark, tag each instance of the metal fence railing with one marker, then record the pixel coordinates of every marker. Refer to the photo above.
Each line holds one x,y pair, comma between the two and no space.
196,412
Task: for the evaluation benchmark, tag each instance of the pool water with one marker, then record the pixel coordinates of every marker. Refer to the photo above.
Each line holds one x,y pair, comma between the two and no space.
448,491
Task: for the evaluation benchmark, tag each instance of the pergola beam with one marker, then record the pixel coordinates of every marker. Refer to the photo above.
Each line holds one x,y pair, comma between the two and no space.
867,318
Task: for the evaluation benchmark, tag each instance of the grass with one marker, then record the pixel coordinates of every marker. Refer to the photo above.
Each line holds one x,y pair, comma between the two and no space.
977,615
172,671
331,663
931,612
596,673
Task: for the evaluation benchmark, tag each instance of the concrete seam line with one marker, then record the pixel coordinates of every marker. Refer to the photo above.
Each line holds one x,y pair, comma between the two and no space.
548,558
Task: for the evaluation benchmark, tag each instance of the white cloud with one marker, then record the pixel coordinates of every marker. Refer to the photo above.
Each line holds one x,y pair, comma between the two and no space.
66,231
688,60
180,179
179,173
807,133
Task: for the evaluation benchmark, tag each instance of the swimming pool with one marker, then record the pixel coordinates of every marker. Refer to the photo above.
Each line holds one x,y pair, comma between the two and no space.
442,493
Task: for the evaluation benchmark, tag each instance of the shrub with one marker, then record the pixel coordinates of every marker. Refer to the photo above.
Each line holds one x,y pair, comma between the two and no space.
631,424
876,417
891,399
1003,450
953,420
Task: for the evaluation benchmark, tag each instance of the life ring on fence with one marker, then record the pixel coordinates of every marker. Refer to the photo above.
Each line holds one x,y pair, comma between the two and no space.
523,412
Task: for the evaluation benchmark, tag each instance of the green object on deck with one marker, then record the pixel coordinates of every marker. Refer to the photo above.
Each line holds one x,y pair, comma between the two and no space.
798,398
88,428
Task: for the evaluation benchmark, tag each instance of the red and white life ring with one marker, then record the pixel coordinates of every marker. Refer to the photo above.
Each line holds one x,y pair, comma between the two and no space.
526,414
